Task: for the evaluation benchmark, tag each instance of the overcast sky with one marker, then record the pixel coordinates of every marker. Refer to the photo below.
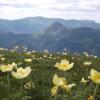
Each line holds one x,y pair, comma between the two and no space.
67,9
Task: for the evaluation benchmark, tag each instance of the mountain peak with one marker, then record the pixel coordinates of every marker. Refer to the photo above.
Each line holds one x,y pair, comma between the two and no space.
57,25
55,28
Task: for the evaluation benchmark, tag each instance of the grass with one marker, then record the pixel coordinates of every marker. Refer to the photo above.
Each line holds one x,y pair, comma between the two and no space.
42,74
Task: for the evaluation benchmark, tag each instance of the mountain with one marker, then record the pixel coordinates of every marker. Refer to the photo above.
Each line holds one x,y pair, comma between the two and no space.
55,37
75,40
10,40
38,24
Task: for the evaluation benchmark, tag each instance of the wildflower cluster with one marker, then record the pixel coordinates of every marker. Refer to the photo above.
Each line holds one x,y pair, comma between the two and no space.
30,75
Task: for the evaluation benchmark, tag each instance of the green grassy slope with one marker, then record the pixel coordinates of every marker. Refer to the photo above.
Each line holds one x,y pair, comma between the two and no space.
42,74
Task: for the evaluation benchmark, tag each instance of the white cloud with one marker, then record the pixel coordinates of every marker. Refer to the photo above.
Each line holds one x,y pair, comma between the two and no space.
78,9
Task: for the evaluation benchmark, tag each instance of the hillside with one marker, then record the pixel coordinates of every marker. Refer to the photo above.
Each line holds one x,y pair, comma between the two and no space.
55,38
38,84
75,40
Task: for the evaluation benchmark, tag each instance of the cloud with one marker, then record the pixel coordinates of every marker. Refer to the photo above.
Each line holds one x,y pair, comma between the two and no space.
17,5
78,9
78,5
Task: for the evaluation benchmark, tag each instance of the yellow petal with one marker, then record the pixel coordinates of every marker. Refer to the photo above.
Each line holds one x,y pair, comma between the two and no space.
83,80
68,87
58,81
57,65
95,76
64,62
54,91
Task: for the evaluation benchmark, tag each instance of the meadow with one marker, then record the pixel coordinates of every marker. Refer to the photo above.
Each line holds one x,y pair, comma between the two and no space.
39,83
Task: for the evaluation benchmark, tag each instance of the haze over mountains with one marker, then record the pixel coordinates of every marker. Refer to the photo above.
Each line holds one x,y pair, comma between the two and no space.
38,24
41,33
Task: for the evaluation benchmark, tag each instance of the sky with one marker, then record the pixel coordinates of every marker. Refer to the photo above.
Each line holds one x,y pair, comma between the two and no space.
66,9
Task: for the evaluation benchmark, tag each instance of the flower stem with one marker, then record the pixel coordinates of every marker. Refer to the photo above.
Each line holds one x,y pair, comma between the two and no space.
55,98
8,82
95,91
21,89
87,70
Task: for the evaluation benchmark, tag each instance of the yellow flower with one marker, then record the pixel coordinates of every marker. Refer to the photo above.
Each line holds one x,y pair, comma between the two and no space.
54,90
2,59
86,63
29,85
21,72
28,53
44,56
83,80
60,82
50,57
28,60
95,76
86,54
68,87
54,58
64,53
64,65
33,51
7,68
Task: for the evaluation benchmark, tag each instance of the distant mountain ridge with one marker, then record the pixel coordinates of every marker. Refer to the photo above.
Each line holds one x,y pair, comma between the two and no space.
53,34
37,24
55,38
75,40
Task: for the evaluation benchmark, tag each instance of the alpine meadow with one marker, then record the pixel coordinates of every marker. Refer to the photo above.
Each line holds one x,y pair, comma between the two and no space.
49,50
